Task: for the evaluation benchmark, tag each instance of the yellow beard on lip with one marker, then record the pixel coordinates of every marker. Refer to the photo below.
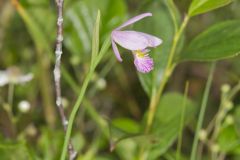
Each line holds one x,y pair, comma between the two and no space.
139,53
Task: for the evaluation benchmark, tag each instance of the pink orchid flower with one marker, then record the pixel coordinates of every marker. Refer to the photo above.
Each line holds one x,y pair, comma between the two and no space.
137,42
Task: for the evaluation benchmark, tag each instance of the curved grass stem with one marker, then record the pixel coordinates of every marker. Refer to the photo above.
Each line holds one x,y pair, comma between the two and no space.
81,96
202,112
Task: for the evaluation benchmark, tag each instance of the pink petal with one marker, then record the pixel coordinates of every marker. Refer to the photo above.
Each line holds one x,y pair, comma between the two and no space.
133,40
116,52
143,64
152,40
133,20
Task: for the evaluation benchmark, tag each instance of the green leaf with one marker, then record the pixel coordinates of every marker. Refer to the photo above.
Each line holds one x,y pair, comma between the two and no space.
161,25
228,139
202,6
167,122
95,38
10,150
50,143
126,125
237,118
127,149
220,41
122,129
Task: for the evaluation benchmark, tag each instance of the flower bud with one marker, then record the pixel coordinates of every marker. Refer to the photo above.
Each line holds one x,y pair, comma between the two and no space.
225,88
31,130
101,83
228,105
221,114
214,148
202,135
24,106
229,120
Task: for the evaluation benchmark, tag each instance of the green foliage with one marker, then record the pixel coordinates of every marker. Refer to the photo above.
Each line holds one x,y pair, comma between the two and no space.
237,119
50,144
79,24
126,125
202,6
11,150
220,41
156,25
167,122
95,38
127,149
122,129
38,35
228,139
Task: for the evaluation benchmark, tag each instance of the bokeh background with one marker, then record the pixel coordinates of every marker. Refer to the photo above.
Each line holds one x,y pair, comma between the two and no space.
30,126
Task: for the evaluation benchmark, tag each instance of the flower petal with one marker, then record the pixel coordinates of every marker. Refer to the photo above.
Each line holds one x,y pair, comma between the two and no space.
133,40
144,64
152,40
116,52
4,79
133,20
25,78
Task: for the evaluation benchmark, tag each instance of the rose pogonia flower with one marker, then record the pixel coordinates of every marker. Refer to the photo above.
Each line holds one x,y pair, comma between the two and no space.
137,42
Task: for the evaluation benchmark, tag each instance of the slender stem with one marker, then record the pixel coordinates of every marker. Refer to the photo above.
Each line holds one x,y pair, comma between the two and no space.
182,122
9,106
74,112
234,91
81,96
156,95
202,112
169,68
57,73
10,94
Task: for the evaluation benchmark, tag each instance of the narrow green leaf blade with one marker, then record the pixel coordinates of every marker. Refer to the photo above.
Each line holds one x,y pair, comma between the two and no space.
220,41
95,38
80,17
202,6
228,139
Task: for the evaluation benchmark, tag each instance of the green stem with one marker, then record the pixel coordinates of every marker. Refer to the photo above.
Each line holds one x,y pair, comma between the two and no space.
9,106
169,68
81,96
74,112
156,95
182,122
10,94
234,91
202,111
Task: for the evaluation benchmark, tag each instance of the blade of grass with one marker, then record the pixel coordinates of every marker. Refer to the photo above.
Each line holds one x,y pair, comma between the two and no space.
95,39
182,121
202,111
76,107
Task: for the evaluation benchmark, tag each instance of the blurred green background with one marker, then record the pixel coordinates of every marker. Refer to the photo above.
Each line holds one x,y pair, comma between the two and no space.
118,97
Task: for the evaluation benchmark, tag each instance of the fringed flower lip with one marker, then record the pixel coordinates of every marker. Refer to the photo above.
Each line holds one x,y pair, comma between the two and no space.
137,42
